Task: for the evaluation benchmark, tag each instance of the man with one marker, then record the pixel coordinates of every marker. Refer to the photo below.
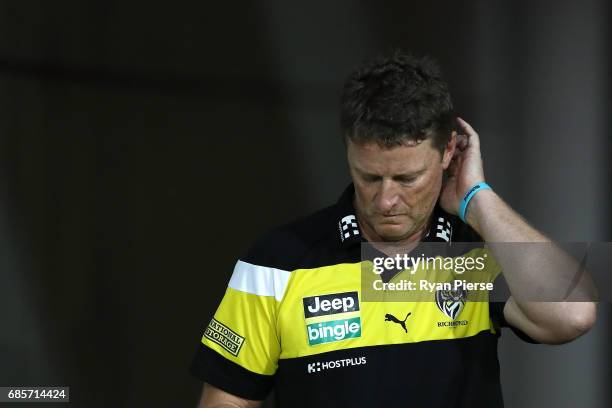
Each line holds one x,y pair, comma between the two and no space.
293,317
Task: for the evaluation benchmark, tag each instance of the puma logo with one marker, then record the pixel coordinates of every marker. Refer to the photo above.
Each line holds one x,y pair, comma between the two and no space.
390,318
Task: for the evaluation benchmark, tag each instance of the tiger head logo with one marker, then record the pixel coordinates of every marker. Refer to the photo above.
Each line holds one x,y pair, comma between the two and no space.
451,302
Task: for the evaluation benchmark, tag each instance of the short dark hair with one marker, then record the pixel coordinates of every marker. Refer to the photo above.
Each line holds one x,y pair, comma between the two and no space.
395,99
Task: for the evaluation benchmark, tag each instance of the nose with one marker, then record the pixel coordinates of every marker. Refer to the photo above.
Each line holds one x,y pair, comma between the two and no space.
388,196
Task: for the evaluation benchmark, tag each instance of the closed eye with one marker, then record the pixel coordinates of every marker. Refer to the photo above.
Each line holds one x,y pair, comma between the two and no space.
370,178
405,180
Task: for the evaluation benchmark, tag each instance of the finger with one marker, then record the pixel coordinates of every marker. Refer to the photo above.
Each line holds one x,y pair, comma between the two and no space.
461,143
466,127
474,139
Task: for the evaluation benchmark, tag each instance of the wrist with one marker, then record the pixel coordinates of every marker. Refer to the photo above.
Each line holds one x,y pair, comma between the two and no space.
471,193
476,210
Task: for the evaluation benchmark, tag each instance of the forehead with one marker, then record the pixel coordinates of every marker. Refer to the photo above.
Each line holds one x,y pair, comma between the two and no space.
407,158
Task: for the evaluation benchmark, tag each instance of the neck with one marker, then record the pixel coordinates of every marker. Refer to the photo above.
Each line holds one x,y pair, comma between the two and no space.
370,234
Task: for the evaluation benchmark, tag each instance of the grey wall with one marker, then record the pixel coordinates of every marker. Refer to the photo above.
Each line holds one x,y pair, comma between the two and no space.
143,147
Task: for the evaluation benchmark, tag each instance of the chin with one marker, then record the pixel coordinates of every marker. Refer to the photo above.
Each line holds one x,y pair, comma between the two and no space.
391,232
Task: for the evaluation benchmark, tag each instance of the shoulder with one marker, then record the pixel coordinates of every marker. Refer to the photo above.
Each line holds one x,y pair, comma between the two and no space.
282,247
463,232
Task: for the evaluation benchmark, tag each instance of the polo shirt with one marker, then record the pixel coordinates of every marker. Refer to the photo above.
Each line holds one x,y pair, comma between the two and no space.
294,319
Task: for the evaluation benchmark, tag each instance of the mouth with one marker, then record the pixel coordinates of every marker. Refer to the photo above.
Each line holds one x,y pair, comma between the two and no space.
391,219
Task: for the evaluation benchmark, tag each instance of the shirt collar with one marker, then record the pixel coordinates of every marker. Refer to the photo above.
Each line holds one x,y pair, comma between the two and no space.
346,218
441,229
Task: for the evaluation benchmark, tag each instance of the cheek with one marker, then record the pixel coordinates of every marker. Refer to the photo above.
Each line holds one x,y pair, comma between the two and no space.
420,191
425,192
365,194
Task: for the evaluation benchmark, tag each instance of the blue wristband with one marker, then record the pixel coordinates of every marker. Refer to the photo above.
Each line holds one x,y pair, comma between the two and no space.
466,200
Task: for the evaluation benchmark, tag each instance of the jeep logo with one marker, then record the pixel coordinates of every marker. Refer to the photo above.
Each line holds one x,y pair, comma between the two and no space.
330,304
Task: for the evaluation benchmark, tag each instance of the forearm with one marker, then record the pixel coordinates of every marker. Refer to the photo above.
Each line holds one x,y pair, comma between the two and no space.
495,221
531,270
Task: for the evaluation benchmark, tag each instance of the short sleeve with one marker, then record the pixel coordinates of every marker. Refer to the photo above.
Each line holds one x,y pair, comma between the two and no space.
496,312
240,347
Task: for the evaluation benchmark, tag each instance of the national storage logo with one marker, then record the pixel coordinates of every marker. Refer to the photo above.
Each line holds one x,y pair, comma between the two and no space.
332,306
224,336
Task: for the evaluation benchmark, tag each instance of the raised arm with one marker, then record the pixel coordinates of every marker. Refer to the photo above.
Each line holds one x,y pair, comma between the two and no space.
541,265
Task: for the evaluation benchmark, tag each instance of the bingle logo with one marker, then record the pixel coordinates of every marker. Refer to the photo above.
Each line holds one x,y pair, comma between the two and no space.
330,304
348,226
336,330
327,365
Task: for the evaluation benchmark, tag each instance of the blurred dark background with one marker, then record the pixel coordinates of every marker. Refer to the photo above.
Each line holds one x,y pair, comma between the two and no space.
144,146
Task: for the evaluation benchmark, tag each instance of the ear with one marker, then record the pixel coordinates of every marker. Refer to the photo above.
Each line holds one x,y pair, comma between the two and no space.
449,150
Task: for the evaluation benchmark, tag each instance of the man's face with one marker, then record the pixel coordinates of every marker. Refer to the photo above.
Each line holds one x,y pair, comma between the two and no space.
396,188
